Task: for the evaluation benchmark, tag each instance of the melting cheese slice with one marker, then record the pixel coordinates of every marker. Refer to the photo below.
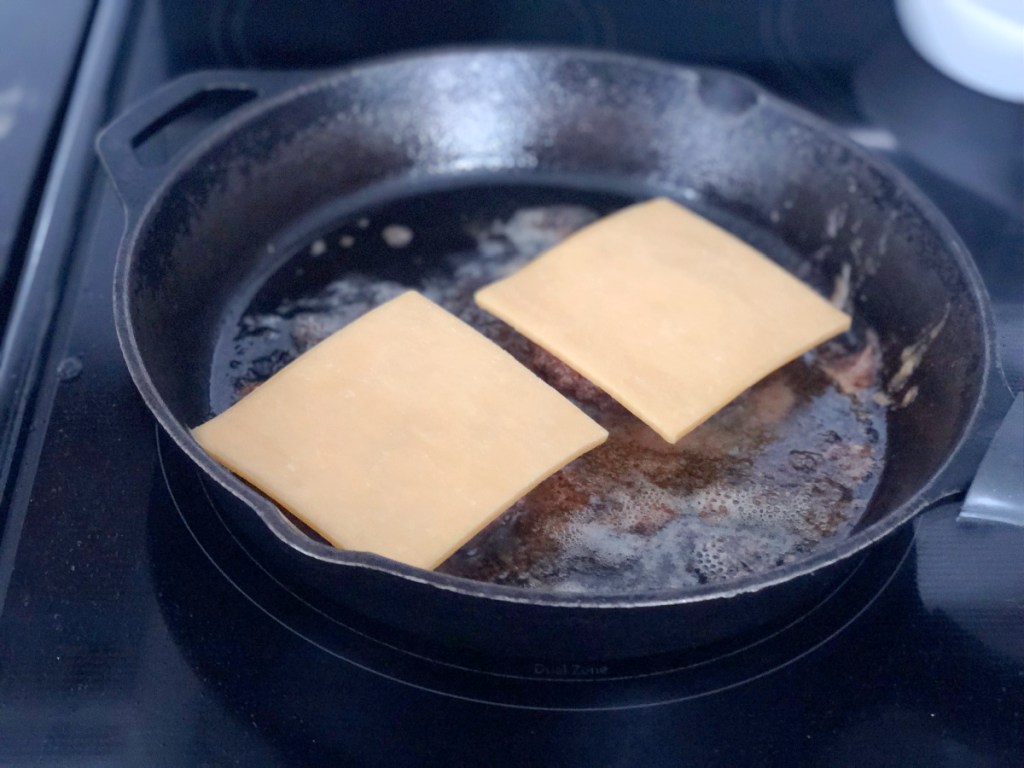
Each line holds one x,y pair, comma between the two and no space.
668,313
403,434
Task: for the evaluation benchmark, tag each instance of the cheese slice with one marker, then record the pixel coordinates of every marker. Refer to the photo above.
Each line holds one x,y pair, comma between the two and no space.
403,434
668,313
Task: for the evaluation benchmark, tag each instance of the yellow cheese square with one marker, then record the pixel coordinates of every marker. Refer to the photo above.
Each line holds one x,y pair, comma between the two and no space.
403,434
668,313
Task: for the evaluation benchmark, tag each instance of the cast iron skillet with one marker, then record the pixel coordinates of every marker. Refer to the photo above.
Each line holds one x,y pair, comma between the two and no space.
200,242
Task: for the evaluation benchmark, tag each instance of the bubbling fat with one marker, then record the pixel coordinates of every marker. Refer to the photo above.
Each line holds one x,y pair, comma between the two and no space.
789,464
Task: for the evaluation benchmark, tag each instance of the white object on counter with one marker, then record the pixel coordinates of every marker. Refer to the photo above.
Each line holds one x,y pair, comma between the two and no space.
979,43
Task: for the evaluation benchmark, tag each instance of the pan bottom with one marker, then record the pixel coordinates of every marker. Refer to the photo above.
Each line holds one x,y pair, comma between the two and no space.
789,466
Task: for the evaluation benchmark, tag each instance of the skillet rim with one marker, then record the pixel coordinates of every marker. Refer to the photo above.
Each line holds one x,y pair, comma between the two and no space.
927,495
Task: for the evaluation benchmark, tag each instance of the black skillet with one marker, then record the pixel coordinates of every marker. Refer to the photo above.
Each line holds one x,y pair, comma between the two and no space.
208,228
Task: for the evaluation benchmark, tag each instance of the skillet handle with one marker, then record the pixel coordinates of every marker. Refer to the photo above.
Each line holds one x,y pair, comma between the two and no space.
997,493
985,439
208,96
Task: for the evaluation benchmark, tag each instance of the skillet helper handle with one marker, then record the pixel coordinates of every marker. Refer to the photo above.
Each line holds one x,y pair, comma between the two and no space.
119,142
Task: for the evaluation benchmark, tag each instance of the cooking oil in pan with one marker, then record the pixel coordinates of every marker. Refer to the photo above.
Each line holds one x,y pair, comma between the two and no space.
787,465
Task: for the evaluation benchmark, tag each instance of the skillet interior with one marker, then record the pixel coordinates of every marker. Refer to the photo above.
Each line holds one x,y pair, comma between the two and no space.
789,464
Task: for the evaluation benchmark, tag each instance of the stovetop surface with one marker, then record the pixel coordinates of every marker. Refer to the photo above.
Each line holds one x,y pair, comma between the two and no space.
135,631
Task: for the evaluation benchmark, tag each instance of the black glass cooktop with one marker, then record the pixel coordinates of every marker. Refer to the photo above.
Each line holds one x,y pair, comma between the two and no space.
135,630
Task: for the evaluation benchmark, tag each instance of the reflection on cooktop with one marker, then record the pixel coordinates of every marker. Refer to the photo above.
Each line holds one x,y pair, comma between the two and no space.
321,33
332,636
